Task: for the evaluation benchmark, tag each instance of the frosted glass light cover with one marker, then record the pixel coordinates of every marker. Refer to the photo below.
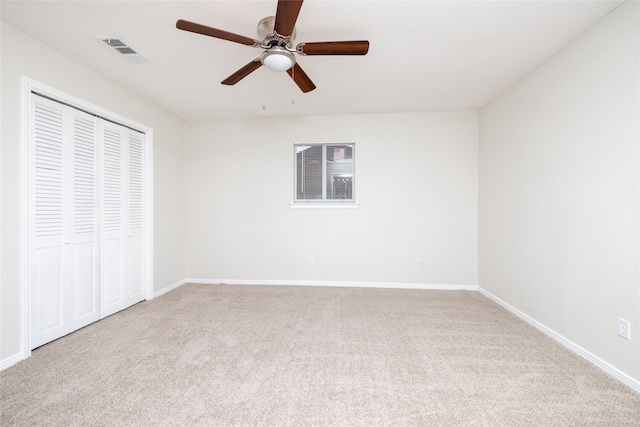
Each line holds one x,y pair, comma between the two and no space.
277,62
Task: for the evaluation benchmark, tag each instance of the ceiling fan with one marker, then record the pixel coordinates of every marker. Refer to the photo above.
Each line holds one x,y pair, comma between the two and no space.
277,34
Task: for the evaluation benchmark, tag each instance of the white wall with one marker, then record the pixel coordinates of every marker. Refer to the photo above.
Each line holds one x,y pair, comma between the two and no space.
23,55
559,192
416,185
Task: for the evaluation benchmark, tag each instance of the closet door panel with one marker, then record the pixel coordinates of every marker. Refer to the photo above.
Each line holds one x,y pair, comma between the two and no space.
111,277
112,297
134,218
133,269
47,227
83,250
47,296
84,285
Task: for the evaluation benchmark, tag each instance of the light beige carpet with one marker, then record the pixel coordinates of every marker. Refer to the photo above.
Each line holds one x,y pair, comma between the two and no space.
303,356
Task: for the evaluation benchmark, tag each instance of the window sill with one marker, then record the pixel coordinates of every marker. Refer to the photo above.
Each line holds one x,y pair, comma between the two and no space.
324,205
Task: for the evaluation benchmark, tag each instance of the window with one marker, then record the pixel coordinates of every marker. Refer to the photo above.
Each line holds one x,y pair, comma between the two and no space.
324,172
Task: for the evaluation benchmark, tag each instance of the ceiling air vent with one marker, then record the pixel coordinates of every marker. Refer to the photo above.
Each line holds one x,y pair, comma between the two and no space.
120,46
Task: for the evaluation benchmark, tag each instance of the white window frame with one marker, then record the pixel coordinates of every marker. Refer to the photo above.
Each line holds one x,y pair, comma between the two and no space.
324,202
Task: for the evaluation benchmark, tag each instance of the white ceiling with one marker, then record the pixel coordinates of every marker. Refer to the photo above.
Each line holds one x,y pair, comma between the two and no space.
424,55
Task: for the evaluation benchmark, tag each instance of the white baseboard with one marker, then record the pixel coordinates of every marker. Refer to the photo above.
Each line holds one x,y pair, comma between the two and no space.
169,288
614,372
11,360
388,285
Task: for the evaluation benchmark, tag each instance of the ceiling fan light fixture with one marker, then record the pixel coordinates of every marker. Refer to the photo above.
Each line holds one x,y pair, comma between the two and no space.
277,59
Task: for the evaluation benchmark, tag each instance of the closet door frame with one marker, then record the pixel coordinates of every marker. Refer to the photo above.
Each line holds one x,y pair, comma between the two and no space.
30,86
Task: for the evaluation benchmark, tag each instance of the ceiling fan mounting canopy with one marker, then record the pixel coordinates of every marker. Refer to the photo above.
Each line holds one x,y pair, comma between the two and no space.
277,34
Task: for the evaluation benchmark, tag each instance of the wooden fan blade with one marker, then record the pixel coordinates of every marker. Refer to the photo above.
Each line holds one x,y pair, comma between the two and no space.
242,72
286,16
300,77
214,32
355,47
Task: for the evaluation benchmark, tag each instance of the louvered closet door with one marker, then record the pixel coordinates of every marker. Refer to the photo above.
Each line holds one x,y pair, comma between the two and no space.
122,226
134,219
82,257
112,233
64,234
47,194
87,228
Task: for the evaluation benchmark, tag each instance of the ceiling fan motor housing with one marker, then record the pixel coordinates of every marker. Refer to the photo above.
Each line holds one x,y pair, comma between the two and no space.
277,56
269,36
